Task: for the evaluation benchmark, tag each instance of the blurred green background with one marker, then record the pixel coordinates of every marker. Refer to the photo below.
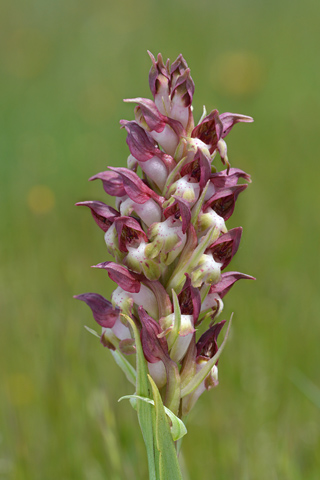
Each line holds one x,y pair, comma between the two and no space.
65,67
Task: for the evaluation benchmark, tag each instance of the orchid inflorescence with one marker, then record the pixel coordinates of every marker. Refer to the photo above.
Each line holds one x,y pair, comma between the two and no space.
169,240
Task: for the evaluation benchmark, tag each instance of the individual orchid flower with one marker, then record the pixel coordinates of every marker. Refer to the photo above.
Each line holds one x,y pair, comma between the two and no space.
206,348
143,149
162,129
214,128
170,245
108,317
226,246
132,194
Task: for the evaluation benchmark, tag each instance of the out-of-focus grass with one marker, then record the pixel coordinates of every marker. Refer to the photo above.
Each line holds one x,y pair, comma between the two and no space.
65,68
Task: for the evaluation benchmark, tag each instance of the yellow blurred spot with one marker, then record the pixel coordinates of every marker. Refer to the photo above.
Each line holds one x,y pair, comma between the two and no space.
41,199
239,73
20,389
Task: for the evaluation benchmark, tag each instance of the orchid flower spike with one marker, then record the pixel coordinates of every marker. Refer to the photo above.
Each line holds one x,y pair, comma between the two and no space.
168,236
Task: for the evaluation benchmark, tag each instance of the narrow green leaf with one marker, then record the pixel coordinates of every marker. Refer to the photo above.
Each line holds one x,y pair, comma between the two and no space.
197,208
178,276
93,332
177,321
172,175
172,398
178,428
143,409
125,366
201,375
169,468
204,291
204,114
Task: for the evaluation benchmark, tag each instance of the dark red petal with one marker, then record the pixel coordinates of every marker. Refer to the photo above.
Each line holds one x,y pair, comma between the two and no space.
228,179
128,230
154,119
154,348
134,187
184,86
223,201
207,344
209,130
230,119
140,144
226,282
190,300
103,215
121,276
112,183
102,310
199,168
205,169
180,208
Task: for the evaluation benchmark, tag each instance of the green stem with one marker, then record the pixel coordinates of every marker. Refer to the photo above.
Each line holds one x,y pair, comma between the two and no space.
161,452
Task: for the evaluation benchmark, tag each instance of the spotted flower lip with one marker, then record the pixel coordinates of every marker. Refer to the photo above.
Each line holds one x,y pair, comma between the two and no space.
209,131
129,232
190,299
199,168
226,246
223,201
207,344
169,239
